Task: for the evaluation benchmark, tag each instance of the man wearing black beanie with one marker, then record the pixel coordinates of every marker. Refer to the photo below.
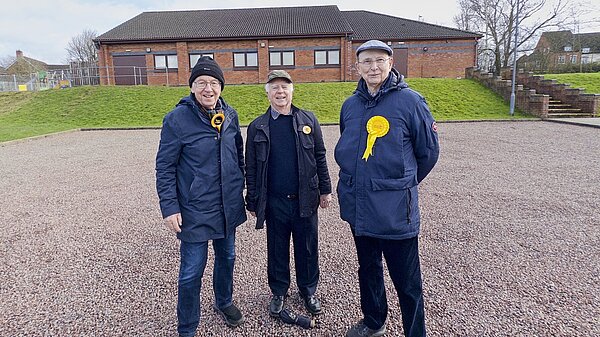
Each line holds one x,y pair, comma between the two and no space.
200,183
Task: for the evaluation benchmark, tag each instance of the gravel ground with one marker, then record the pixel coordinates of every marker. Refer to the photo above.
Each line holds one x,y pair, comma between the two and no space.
510,241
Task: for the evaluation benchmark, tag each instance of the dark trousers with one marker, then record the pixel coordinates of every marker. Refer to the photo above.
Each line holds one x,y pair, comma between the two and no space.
283,219
402,259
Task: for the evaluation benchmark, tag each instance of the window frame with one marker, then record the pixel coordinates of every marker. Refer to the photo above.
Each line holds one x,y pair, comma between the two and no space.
245,66
561,59
192,64
328,57
281,53
167,63
573,59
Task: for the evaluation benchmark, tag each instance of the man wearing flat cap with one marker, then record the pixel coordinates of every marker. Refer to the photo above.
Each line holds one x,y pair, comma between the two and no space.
200,182
287,179
388,145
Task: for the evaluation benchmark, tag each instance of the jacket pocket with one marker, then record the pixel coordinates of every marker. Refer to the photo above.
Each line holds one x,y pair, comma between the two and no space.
346,178
378,184
261,147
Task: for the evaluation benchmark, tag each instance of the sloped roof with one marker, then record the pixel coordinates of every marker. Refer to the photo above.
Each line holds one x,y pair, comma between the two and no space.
368,25
589,40
230,23
559,39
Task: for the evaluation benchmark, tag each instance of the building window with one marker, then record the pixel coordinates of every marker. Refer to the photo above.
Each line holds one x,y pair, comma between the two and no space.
165,62
585,50
195,57
281,58
245,60
573,59
568,48
327,57
585,59
561,59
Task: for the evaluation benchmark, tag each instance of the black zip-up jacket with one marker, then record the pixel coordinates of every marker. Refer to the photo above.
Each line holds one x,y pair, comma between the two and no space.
313,175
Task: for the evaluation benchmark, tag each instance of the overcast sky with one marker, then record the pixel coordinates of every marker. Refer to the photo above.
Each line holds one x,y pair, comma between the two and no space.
43,28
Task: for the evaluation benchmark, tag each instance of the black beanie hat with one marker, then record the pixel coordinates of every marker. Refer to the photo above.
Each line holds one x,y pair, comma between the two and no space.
207,66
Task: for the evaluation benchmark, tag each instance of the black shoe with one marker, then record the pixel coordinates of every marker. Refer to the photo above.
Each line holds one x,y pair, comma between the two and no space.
276,305
360,329
312,304
232,315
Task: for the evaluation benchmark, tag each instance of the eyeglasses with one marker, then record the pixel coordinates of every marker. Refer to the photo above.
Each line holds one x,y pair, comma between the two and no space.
213,84
369,62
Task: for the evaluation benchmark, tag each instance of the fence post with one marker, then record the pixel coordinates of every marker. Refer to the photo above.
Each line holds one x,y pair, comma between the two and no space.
15,80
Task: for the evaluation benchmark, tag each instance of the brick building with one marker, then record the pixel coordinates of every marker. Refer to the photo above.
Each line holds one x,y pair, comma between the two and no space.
563,51
313,43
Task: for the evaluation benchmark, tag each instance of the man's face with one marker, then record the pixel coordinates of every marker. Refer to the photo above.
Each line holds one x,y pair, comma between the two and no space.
280,94
374,66
207,90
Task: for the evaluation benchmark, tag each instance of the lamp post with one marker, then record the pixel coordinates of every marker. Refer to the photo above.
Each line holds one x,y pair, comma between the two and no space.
514,69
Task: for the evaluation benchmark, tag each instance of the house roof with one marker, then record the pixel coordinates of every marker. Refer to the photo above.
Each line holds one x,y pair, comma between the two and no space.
274,22
558,40
230,23
368,25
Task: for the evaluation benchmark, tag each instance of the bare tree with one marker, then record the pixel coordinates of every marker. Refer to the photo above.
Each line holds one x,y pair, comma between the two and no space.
82,49
6,61
496,20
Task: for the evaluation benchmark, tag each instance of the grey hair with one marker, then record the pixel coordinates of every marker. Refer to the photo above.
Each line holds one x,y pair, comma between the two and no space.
268,84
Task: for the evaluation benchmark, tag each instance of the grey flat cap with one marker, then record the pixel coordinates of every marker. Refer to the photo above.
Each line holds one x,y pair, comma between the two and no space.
279,74
374,44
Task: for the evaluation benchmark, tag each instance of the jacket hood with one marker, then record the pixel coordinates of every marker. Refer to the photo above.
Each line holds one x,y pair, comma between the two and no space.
394,81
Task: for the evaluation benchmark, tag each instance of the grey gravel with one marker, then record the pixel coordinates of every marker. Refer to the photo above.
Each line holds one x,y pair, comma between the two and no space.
510,240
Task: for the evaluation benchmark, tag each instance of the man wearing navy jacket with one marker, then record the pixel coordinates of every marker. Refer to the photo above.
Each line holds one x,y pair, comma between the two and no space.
200,183
388,145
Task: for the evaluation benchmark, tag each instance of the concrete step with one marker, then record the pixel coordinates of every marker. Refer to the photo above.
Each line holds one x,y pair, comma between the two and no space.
565,110
568,115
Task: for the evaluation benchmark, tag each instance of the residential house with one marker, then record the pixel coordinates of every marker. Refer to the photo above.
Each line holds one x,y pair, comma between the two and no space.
313,43
563,51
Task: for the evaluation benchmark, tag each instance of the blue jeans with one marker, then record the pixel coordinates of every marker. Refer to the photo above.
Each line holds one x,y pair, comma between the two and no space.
193,262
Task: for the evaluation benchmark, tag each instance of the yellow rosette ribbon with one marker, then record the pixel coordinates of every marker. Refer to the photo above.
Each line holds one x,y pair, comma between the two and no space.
377,126
217,120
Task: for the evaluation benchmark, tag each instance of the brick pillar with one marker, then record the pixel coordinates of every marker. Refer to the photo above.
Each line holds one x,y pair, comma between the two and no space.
183,63
263,60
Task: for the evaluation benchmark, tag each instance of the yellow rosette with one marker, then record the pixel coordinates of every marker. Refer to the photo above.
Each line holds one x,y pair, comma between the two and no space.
217,120
377,126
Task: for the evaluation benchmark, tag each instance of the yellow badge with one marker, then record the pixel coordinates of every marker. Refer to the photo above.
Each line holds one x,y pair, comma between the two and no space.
306,129
377,126
217,121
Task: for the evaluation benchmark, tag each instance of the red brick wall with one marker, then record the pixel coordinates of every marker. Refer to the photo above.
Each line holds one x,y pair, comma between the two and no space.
441,58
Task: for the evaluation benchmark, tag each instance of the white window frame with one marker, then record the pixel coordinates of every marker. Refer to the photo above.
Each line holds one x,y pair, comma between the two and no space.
561,59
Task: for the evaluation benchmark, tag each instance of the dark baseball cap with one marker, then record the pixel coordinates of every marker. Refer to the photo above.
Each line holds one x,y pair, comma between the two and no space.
279,74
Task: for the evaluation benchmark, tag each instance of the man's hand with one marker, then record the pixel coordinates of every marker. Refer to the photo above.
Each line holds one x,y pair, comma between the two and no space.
325,200
253,214
173,222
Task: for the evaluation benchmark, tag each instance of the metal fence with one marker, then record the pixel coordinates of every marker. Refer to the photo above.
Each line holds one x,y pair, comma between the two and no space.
77,75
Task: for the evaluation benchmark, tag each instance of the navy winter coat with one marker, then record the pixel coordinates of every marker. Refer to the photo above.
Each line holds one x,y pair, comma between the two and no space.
200,173
379,197
313,175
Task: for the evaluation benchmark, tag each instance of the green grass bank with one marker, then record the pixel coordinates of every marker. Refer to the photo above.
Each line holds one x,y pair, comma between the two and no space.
26,114
588,81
